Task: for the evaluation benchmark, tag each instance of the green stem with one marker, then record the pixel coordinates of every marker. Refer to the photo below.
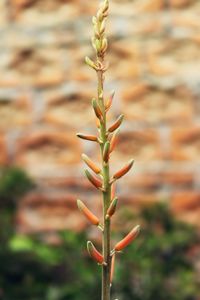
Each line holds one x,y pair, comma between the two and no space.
106,198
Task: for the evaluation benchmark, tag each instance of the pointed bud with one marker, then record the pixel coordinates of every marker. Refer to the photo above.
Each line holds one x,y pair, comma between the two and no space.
109,101
106,152
112,208
94,20
102,27
128,239
90,63
97,45
98,123
104,45
93,179
124,170
113,186
112,268
91,164
91,138
97,109
113,140
94,253
117,123
88,214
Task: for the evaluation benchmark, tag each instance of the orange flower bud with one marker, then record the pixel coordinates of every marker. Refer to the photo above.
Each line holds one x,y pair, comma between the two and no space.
93,179
91,164
113,140
109,101
87,137
106,151
97,109
113,191
88,214
112,268
112,208
128,239
124,170
116,124
96,255
97,123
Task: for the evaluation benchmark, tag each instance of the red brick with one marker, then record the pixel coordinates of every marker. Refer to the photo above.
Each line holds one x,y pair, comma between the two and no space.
152,181
149,103
142,145
143,181
177,178
185,144
173,57
15,113
43,13
185,201
124,59
35,67
69,109
180,3
49,212
44,151
149,6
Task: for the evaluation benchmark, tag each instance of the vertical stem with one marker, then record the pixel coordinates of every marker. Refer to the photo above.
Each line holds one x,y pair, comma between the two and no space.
106,197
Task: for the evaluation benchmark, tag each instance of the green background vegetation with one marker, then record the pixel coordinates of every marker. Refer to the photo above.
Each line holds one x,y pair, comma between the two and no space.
156,267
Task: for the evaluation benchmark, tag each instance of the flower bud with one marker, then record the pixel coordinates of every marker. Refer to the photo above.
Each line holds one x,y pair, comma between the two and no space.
112,208
116,124
91,164
90,63
97,109
88,214
97,45
128,239
94,253
113,186
93,179
94,20
124,170
113,140
106,152
109,101
91,138
104,45
102,27
112,268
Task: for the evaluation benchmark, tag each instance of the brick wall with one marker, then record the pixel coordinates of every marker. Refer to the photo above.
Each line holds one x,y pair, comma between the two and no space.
45,92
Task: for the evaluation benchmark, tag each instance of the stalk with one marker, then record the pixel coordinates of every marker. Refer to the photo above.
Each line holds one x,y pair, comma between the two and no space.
107,141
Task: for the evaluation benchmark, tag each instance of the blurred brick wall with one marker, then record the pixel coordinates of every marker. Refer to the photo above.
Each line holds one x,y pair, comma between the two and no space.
45,93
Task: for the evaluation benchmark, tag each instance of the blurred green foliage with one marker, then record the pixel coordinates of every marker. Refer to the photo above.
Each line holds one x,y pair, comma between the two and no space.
156,267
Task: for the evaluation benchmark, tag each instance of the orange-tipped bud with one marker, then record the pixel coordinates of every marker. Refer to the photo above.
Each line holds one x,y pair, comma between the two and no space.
106,152
91,164
87,137
90,63
94,253
109,101
113,187
112,208
97,123
88,214
93,179
117,123
113,140
112,268
97,109
124,170
128,239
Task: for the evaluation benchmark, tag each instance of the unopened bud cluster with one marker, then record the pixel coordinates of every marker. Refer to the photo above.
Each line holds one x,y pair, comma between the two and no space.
98,176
